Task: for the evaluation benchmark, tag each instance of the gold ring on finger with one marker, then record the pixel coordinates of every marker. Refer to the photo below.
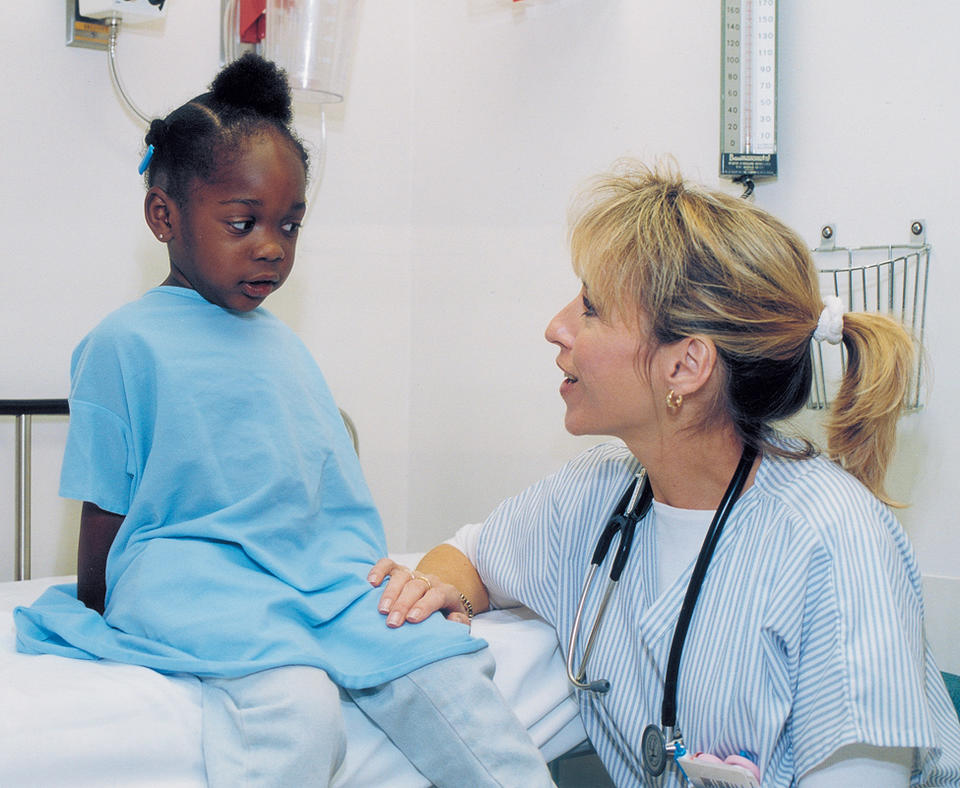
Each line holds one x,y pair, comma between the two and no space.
424,578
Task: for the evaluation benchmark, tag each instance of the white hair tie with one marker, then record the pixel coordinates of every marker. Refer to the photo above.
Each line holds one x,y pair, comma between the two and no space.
830,324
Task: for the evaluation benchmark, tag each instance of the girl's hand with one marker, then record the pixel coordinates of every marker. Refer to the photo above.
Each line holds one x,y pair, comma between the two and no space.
412,596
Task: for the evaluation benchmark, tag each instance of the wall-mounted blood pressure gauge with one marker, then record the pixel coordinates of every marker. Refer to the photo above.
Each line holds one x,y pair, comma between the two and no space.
748,103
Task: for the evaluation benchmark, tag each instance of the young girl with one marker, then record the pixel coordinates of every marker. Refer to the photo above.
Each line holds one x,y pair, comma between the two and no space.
226,529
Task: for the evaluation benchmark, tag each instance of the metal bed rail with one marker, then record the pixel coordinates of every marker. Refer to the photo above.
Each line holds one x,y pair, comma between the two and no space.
24,410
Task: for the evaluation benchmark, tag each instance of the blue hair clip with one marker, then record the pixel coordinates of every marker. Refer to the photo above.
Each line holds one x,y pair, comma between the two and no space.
145,161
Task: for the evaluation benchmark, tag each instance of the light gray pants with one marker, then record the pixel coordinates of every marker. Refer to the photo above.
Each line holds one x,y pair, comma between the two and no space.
280,727
283,727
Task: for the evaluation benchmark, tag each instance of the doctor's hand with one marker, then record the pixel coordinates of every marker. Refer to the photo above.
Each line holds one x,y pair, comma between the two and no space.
412,596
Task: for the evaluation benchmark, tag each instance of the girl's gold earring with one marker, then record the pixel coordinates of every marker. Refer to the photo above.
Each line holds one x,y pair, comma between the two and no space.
674,400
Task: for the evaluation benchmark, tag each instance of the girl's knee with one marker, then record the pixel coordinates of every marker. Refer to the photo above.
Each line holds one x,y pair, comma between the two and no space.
310,695
278,727
309,707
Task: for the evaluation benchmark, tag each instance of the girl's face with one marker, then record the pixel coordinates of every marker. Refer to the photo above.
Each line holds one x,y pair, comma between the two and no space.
604,388
238,232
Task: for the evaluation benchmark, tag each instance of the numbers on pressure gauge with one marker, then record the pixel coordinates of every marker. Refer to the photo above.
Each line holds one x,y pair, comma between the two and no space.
748,118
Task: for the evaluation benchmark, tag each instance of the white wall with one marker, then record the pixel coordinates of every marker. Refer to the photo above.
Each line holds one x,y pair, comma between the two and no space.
434,253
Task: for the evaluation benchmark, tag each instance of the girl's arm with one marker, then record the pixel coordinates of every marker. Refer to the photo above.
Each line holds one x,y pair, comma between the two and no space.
97,531
454,584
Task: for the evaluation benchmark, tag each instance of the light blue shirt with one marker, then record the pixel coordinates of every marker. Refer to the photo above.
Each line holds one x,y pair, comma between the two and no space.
249,529
807,635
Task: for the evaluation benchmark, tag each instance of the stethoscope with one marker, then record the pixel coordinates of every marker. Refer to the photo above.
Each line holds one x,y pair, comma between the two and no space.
656,742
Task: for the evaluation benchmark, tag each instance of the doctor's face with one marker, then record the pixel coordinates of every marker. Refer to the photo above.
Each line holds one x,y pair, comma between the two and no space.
605,387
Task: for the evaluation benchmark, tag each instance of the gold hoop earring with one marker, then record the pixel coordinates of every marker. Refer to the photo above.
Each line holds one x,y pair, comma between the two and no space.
674,400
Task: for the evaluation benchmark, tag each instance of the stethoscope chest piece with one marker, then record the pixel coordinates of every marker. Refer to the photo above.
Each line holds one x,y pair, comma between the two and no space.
653,750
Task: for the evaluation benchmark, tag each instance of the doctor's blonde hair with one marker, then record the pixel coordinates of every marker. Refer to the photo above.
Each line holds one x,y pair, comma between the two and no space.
690,260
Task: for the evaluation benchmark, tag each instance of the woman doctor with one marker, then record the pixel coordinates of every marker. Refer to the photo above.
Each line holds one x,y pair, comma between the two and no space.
804,652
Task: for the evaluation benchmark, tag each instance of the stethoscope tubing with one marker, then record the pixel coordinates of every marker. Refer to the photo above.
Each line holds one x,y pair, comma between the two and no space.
624,523
601,685
668,714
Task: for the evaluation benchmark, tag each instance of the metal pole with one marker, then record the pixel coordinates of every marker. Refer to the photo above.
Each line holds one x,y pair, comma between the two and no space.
22,518
24,410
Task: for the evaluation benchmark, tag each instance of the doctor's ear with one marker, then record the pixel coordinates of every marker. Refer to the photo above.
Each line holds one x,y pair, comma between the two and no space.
692,362
162,214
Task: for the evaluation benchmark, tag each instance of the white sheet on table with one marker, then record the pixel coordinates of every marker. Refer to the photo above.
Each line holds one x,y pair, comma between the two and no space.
70,722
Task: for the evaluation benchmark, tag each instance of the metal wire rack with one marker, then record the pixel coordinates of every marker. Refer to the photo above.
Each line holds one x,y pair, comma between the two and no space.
890,280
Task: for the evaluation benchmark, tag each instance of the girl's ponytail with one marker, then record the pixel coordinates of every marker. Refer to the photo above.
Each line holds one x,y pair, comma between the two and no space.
253,85
156,132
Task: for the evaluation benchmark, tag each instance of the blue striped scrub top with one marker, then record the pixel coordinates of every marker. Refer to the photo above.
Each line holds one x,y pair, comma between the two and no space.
808,633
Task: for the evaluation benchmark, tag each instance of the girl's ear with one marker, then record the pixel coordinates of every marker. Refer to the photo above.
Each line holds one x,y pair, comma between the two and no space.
162,214
692,362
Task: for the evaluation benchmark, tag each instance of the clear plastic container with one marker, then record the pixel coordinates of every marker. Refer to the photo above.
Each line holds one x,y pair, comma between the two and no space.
312,40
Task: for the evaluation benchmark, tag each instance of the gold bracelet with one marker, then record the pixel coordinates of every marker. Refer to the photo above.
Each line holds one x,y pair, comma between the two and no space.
466,606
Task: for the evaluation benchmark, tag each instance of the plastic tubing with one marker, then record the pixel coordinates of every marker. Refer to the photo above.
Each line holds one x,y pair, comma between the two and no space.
115,74
318,164
228,31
